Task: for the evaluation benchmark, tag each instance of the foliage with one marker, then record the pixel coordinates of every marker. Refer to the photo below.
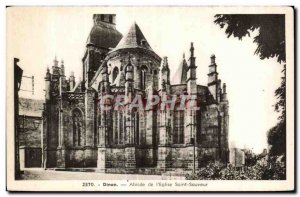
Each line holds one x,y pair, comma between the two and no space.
213,171
280,93
276,169
277,139
205,160
271,37
250,159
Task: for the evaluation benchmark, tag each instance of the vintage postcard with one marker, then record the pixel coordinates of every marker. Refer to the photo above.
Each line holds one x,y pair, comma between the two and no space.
150,99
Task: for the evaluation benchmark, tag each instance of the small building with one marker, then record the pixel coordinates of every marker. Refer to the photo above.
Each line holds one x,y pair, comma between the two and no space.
237,157
30,132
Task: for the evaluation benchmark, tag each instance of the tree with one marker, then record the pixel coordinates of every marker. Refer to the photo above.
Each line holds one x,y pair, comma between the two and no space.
270,39
277,139
270,44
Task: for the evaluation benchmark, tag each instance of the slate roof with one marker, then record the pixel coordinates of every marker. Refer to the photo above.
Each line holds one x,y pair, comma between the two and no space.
134,39
104,36
180,74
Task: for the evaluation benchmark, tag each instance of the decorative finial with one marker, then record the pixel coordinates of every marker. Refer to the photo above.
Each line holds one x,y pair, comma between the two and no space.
62,61
192,49
212,59
224,87
183,56
166,62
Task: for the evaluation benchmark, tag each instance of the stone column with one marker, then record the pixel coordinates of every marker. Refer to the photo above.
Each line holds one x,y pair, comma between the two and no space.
61,152
190,134
130,161
103,106
89,159
164,149
102,130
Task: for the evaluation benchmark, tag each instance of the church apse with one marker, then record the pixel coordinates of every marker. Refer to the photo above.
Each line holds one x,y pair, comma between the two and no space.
126,116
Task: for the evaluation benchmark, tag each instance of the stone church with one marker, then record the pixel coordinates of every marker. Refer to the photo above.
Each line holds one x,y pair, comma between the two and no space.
80,134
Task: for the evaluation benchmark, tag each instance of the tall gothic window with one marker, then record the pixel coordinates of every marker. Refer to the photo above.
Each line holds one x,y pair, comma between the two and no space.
77,127
118,127
178,127
142,128
143,77
115,74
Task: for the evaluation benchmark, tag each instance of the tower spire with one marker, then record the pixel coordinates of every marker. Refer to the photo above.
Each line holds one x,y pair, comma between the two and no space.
48,75
55,61
62,68
183,68
212,59
165,63
165,74
192,49
224,95
224,88
192,56
213,81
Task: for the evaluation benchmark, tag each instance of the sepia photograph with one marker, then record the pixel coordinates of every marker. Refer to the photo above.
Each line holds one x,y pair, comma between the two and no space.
150,99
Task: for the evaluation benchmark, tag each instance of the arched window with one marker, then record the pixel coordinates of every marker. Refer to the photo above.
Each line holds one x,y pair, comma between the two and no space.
115,74
77,127
144,70
118,127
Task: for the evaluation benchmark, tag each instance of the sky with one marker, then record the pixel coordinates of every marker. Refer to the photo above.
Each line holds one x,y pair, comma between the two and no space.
37,35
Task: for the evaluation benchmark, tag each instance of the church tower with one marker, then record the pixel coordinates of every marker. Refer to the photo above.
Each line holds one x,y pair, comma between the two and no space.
103,37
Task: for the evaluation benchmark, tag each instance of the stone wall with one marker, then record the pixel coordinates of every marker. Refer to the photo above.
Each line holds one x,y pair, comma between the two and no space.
146,157
29,131
115,158
77,157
